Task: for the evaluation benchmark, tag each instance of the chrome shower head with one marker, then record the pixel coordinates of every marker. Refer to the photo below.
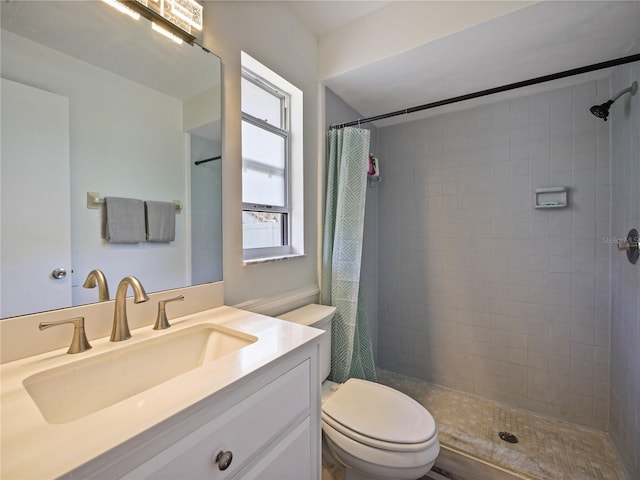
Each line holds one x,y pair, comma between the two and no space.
602,111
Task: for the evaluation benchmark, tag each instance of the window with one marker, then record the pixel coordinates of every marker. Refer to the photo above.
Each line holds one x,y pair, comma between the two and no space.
271,164
265,164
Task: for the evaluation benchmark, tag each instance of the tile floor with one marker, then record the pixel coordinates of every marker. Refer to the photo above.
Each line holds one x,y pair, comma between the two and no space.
547,449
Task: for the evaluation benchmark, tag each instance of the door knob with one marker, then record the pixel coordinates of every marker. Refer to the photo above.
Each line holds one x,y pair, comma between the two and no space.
59,273
223,459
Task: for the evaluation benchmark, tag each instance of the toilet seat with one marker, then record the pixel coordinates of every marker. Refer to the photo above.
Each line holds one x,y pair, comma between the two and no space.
380,417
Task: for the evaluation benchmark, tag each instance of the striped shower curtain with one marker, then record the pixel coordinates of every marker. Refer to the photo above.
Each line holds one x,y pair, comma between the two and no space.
348,161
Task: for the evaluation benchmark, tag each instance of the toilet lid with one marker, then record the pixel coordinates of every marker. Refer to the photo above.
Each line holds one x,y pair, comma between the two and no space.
379,412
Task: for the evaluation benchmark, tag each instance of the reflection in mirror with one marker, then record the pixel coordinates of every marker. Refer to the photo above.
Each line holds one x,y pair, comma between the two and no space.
93,101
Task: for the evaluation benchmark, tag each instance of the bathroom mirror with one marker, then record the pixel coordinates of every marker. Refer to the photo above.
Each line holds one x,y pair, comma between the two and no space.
95,101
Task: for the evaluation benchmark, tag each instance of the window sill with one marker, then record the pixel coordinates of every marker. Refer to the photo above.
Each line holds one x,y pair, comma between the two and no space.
275,258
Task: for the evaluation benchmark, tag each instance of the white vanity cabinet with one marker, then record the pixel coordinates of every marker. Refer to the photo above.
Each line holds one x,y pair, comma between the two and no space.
269,422
259,405
267,435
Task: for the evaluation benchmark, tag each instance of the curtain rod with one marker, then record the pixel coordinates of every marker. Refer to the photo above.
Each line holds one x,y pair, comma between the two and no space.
491,91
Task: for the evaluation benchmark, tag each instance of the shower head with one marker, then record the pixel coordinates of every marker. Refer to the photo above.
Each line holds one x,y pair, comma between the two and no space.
602,111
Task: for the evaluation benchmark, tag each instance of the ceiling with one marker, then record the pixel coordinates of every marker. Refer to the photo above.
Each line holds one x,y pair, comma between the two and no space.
544,38
323,17
541,39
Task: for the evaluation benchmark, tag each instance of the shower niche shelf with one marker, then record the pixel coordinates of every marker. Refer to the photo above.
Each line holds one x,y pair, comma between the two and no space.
551,197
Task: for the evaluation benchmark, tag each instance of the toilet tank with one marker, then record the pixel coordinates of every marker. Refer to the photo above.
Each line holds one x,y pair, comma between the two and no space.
317,316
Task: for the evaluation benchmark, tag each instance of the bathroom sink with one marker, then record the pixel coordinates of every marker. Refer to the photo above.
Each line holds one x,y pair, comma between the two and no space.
75,390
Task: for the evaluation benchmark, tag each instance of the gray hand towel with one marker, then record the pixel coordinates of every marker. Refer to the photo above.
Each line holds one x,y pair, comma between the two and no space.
161,221
124,220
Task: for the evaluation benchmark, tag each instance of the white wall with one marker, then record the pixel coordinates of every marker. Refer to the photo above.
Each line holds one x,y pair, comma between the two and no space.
115,152
270,33
478,290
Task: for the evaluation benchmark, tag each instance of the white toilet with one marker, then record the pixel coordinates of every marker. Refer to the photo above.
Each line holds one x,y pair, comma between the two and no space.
374,431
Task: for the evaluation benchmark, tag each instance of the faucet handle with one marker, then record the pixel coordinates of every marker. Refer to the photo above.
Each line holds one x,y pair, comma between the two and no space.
161,320
79,342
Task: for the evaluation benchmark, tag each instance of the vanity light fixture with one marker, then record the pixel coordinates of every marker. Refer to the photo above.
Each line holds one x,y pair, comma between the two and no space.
180,17
189,11
175,19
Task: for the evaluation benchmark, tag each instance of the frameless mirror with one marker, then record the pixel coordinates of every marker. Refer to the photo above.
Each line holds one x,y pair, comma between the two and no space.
96,102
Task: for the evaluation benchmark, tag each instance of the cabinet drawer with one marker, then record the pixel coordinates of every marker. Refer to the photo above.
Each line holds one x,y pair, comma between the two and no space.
244,430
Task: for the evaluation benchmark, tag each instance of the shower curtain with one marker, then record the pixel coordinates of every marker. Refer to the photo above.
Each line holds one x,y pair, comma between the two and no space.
348,161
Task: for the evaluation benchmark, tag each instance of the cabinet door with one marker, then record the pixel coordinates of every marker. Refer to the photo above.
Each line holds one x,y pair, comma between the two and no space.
248,430
289,459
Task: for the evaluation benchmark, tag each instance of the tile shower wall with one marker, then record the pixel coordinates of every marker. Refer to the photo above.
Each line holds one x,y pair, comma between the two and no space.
479,291
625,277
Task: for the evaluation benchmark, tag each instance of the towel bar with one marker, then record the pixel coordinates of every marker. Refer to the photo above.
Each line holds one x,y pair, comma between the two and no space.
94,201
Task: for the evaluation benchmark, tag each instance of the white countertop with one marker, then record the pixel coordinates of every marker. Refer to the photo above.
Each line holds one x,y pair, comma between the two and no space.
32,448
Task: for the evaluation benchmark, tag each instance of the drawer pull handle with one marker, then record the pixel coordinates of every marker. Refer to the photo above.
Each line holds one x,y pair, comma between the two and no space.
223,459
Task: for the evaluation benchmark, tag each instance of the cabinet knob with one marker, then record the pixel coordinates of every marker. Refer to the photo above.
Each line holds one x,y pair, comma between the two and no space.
223,459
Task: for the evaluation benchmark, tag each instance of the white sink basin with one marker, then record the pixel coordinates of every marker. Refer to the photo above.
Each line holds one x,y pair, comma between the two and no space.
75,390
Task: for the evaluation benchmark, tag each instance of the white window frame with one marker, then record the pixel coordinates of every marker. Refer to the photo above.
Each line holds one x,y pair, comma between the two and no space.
281,131
260,75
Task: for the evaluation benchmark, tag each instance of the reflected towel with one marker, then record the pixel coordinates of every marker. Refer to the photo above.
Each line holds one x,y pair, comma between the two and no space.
161,221
124,220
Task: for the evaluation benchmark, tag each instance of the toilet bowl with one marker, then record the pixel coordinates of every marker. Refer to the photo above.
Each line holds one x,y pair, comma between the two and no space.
374,431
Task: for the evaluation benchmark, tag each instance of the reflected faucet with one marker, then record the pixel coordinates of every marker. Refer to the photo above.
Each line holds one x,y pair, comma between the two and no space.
120,330
97,278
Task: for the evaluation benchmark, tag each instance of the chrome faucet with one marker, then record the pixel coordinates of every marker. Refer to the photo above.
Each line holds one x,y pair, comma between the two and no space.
120,330
97,278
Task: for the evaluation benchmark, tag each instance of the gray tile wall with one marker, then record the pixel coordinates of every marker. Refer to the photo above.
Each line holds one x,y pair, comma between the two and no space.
625,278
478,290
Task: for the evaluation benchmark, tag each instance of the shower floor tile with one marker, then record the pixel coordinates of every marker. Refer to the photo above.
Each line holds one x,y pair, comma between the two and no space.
547,449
